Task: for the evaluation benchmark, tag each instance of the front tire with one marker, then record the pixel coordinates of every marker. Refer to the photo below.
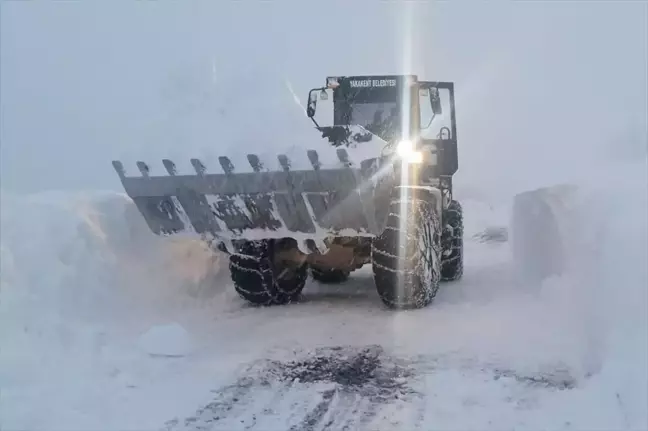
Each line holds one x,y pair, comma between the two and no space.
261,281
407,274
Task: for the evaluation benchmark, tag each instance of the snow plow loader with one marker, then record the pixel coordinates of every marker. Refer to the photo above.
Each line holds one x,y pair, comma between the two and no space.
393,209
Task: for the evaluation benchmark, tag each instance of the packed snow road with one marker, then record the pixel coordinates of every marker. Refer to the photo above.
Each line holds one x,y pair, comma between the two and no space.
106,327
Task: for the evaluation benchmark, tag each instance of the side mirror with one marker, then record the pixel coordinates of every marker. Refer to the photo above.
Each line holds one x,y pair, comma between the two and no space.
435,101
312,104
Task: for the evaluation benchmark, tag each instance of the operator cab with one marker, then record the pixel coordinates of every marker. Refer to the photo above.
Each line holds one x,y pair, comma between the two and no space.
387,109
390,107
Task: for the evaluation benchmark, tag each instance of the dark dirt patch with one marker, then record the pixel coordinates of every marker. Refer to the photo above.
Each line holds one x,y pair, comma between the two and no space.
348,371
351,369
367,371
354,371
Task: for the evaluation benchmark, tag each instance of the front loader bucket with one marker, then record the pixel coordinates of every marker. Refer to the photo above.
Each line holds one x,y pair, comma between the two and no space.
302,204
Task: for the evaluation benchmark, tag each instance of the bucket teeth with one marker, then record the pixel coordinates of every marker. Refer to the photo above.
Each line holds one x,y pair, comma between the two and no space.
255,162
143,168
119,168
284,162
198,166
311,246
303,246
169,166
343,156
292,200
314,159
226,164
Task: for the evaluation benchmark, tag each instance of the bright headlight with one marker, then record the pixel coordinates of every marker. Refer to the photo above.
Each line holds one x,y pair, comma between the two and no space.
405,150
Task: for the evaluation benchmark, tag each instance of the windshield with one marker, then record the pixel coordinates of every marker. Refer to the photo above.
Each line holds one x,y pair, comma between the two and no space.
376,117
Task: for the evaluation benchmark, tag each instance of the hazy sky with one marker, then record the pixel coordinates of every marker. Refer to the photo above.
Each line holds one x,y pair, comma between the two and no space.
539,84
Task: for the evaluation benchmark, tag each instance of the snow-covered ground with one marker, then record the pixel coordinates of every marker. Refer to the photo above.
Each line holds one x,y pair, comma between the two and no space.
106,327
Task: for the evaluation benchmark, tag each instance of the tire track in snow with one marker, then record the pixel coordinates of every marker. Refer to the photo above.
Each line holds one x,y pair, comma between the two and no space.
339,388
362,388
315,416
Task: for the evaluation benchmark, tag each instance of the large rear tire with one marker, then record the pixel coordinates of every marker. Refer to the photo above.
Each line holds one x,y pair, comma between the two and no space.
452,264
261,281
407,272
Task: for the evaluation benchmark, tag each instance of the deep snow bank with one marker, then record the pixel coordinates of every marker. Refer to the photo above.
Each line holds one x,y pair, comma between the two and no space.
604,289
622,293
82,279
98,239
73,263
